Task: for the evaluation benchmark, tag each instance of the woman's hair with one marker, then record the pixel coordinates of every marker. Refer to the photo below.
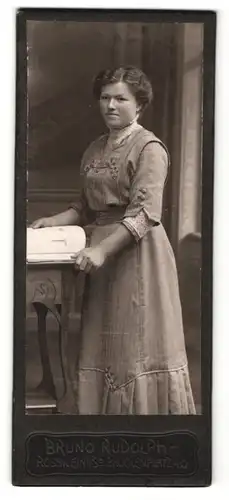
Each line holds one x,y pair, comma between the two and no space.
136,80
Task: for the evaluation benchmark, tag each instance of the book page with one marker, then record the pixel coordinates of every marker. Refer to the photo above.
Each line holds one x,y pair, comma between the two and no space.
53,244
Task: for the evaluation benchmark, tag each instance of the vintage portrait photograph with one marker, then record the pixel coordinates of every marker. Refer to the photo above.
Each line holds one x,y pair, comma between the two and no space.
114,180
113,248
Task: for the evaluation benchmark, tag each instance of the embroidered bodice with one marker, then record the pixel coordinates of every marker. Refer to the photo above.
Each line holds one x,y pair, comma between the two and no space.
126,170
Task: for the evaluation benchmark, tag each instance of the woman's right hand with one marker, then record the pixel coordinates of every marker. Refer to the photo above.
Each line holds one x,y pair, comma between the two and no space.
43,222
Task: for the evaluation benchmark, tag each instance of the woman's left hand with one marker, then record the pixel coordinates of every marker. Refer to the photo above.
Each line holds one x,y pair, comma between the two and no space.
90,259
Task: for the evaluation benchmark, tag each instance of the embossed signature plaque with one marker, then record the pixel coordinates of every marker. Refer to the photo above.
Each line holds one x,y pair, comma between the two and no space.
169,454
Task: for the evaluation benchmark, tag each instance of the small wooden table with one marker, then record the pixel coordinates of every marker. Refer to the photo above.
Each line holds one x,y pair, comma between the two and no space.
50,288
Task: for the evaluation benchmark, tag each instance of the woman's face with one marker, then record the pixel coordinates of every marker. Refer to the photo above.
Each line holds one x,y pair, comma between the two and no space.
118,105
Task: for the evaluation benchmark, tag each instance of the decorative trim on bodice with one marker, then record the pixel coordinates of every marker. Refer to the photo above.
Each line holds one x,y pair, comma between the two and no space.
96,165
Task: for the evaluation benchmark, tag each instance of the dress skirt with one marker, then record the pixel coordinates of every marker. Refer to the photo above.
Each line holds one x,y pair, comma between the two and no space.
132,357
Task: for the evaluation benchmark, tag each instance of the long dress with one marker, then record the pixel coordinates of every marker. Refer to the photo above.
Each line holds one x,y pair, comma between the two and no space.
132,357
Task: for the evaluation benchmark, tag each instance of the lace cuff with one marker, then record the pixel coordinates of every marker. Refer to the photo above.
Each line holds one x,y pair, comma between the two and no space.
139,224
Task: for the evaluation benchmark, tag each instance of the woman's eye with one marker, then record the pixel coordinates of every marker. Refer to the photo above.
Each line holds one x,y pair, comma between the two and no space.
106,98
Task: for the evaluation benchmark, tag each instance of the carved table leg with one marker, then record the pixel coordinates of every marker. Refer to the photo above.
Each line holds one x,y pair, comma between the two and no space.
46,383
68,403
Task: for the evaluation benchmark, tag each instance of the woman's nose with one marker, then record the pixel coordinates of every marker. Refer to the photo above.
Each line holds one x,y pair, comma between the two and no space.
111,104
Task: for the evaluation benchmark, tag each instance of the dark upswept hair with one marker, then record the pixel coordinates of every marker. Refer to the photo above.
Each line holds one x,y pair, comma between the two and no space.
134,77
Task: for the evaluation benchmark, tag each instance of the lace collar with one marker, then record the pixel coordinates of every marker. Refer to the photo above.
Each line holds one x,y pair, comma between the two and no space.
117,137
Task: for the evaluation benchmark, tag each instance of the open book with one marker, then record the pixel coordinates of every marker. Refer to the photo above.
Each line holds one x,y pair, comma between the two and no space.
54,244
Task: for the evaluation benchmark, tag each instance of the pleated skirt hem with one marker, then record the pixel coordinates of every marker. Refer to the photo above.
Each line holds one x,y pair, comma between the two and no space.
151,393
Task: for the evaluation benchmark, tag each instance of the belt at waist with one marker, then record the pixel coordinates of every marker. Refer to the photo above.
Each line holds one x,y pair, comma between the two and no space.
110,216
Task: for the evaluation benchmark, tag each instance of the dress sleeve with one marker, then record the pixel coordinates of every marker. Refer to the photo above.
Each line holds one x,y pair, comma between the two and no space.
146,191
81,204
138,224
82,209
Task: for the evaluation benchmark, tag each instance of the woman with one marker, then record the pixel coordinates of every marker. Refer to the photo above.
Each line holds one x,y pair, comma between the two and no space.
132,356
